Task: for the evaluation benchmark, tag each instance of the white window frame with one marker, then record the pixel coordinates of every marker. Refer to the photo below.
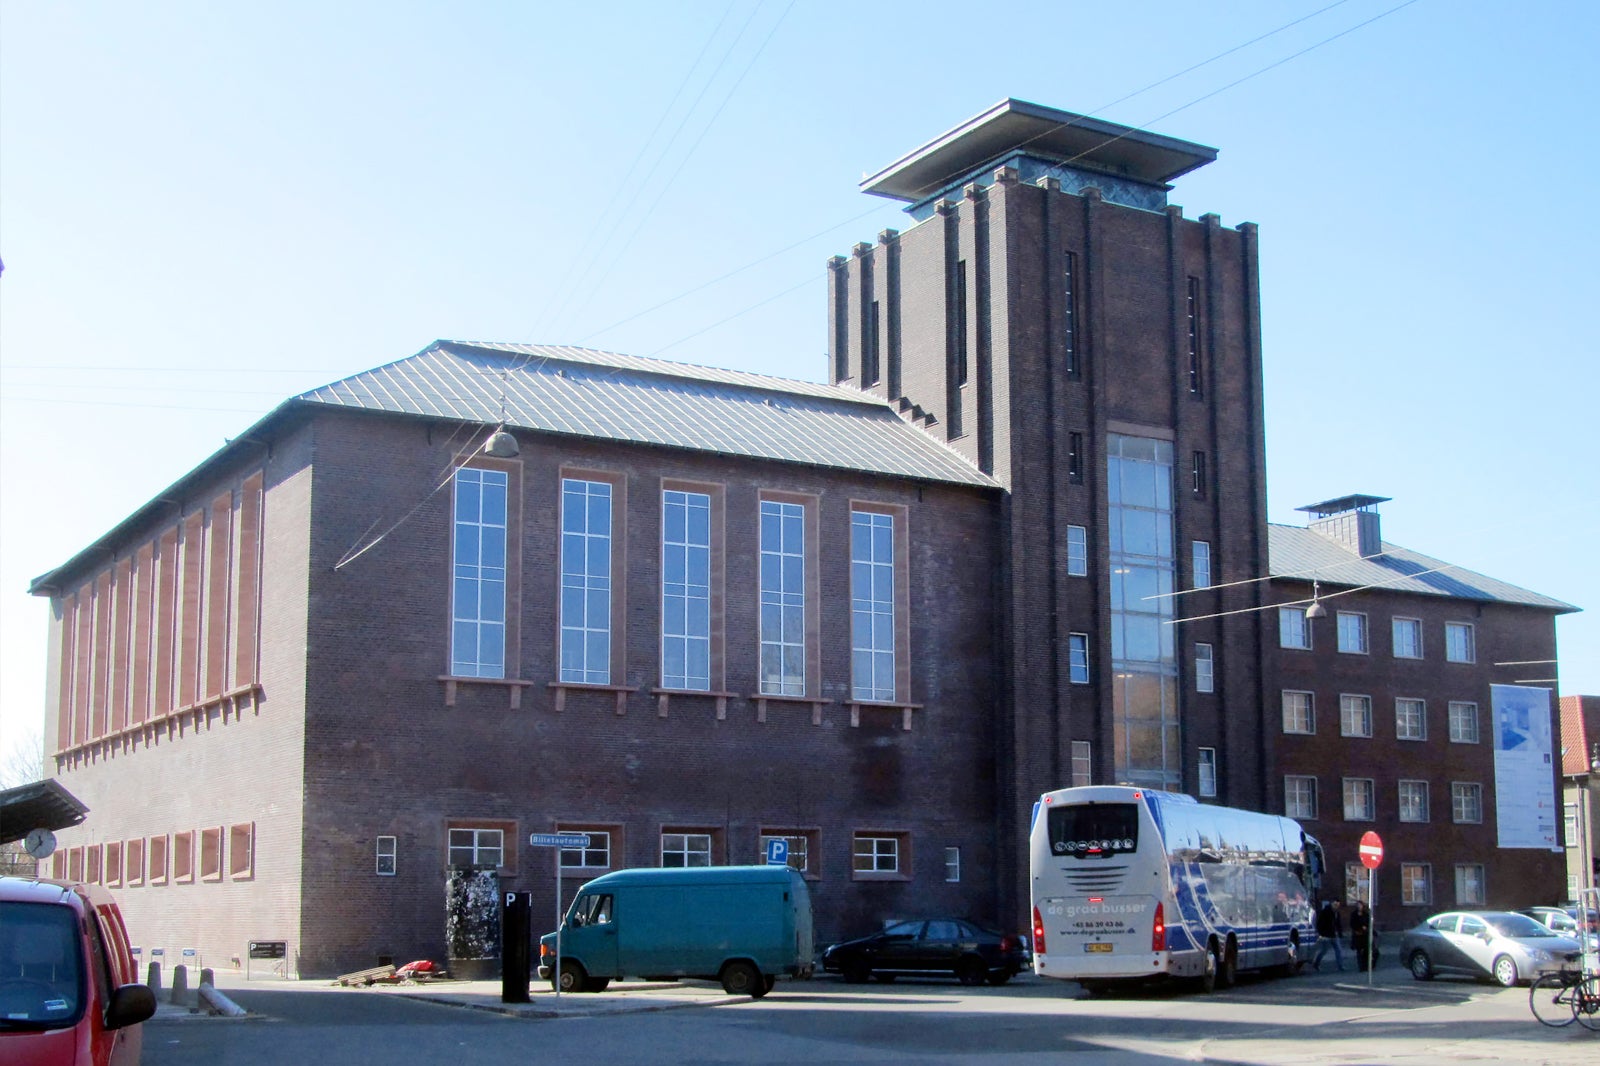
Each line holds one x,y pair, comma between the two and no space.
1359,792
1465,896
478,542
1460,718
1082,763
688,846
1357,883
1467,646
1405,726
1352,633
477,846
586,582
597,856
1407,634
1410,896
952,865
1077,551
1300,796
1355,706
1569,824
1205,679
1207,772
875,853
1200,563
1294,629
1411,810
387,854
1310,706
1466,803
685,597
1078,658
783,598
872,606
799,844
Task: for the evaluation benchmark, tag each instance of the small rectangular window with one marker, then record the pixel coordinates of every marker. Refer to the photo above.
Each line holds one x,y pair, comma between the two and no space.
1469,884
241,851
159,850
1075,457
183,858
1204,669
1466,803
1208,771
113,867
1463,722
802,847
1569,825
597,856
685,849
1459,643
952,865
387,857
1352,633
1358,799
1202,564
879,854
1077,551
1197,470
1300,797
477,847
1357,883
1355,715
1407,638
91,859
1413,801
1416,884
1299,712
1078,658
1082,764
1410,719
133,862
1293,629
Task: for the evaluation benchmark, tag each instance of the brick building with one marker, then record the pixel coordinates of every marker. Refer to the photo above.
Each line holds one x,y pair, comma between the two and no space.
1020,541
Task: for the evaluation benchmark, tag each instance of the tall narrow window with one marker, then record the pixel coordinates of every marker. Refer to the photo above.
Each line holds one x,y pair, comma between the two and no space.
1201,554
1069,313
478,592
686,590
1078,658
585,581
1352,633
1208,771
869,345
872,597
1459,645
1407,638
952,865
386,856
1197,472
1294,631
1075,457
961,322
1192,305
1204,668
1082,763
783,599
1077,551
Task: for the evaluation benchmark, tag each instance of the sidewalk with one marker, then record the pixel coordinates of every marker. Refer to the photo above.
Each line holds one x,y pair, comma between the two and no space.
621,997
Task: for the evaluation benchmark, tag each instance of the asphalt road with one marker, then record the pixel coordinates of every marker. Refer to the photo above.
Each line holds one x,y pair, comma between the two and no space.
1311,1019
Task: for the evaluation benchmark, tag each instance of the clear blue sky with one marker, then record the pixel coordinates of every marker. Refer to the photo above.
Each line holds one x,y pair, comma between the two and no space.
206,208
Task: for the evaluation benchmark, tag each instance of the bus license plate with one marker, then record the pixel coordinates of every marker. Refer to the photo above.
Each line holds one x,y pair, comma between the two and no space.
1097,949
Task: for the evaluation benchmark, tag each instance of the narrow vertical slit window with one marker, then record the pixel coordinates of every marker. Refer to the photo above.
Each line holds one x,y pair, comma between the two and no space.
1077,551
961,322
478,592
783,599
1198,470
872,599
686,590
585,582
1075,457
1204,668
1078,658
1208,772
1082,763
1193,315
1069,314
1201,575
869,344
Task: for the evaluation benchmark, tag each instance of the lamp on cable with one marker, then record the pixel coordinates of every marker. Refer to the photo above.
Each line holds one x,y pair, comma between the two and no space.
501,445
1316,610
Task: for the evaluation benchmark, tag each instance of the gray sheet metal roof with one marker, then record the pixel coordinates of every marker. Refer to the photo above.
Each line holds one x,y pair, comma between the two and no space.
1304,554
578,391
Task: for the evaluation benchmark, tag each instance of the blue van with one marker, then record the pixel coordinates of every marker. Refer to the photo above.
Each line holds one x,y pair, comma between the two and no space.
740,925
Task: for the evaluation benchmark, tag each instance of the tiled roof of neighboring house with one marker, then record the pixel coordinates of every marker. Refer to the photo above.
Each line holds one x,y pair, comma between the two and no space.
578,391
1304,554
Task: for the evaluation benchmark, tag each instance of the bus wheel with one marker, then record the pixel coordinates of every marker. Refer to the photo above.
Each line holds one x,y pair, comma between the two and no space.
1208,977
1292,962
1228,971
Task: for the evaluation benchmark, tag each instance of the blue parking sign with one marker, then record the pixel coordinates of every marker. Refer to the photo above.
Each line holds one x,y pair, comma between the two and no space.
778,852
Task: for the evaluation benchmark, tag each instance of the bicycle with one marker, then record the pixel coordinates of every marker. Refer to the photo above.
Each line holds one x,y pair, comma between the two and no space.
1560,998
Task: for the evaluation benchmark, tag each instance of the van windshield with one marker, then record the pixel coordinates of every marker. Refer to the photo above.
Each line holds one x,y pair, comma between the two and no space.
41,969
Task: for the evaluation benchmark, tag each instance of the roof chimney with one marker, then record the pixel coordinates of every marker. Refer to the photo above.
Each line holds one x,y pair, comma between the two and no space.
1349,521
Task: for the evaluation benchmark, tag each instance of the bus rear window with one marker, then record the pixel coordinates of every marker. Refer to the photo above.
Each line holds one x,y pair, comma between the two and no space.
1094,829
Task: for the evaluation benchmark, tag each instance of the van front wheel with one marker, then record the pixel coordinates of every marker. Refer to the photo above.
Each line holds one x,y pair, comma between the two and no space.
743,979
572,977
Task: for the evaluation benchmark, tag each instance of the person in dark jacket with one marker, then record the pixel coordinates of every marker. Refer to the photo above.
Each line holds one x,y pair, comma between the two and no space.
1330,928
1360,928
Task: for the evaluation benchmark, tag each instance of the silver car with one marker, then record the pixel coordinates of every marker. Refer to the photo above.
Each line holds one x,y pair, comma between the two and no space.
1501,945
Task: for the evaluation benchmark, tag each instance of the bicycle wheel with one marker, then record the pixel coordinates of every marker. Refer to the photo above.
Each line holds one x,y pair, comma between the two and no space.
1586,1002
1551,998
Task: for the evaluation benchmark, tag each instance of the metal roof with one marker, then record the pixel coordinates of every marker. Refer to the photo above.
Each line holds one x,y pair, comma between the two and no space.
586,393
1342,504
40,805
1304,554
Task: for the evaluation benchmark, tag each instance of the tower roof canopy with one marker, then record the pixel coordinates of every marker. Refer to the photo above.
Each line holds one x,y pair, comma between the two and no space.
1343,504
1086,143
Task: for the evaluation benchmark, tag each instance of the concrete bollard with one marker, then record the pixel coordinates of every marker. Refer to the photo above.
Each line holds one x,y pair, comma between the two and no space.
208,978
180,985
154,978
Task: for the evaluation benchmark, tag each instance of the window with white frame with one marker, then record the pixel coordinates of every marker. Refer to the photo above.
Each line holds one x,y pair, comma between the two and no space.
1358,799
1077,551
685,849
799,843
952,865
387,856
1208,771
1201,556
1078,658
783,598
1204,668
1413,801
686,590
1293,629
1410,719
877,853
1082,763
1466,802
1463,722
585,581
1299,712
1357,883
1469,884
1352,632
1569,824
1300,796
872,598
1459,643
478,568
1416,887
1407,638
596,856
1355,715
477,847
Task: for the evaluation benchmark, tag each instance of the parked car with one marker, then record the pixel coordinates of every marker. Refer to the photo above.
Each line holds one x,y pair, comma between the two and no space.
69,993
929,946
1563,922
1502,945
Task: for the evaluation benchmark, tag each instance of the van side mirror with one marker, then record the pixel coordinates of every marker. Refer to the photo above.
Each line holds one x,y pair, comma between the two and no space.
130,1005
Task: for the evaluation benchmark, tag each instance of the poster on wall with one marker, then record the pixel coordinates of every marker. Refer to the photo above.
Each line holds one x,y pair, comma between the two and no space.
1524,773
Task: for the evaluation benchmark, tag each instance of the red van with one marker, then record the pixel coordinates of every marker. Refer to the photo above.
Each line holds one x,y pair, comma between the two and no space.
69,992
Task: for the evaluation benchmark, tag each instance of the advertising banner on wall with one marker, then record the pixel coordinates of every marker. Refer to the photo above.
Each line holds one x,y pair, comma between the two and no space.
1524,771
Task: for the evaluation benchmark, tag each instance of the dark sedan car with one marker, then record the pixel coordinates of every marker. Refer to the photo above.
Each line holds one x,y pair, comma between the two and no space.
929,946
1506,947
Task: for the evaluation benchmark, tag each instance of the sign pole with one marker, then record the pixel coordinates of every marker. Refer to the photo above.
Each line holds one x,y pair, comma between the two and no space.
1372,920
557,974
558,841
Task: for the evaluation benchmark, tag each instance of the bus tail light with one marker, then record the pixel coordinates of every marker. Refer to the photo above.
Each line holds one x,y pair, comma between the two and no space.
1158,931
1038,933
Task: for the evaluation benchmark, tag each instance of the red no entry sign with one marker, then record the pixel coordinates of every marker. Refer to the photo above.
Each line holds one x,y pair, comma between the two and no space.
1371,850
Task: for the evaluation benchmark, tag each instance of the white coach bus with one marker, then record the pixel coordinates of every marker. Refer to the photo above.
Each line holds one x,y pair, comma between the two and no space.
1130,884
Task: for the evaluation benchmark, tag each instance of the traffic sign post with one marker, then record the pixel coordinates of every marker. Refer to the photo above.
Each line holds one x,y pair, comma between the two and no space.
1371,851
558,841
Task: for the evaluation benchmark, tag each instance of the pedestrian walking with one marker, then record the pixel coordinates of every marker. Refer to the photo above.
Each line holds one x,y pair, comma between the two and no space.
1360,929
1330,929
